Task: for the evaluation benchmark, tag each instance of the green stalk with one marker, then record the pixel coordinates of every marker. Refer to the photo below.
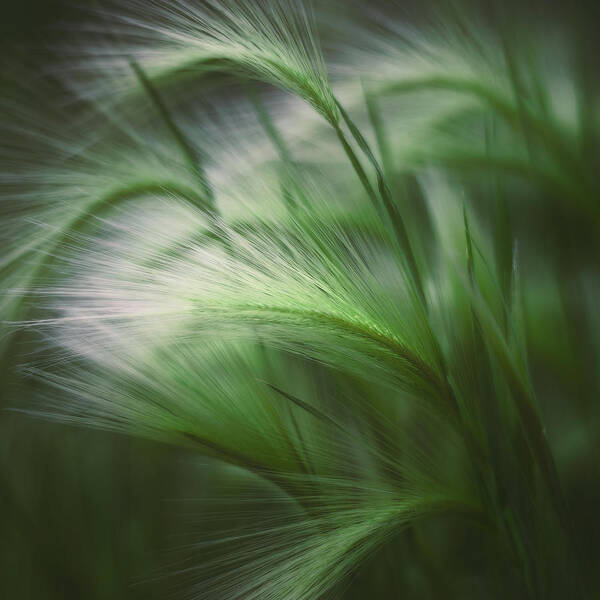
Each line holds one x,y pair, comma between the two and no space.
390,212
487,472
279,144
269,126
378,128
187,150
531,423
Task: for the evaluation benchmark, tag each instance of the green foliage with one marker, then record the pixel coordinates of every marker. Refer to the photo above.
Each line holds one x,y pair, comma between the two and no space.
343,296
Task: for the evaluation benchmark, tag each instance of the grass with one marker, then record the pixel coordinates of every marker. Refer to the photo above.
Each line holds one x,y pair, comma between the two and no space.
338,289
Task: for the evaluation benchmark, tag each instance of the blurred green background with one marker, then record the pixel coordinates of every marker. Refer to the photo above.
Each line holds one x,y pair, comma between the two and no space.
95,515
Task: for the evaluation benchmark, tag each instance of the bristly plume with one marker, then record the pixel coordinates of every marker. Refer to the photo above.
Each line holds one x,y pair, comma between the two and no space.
273,41
371,315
